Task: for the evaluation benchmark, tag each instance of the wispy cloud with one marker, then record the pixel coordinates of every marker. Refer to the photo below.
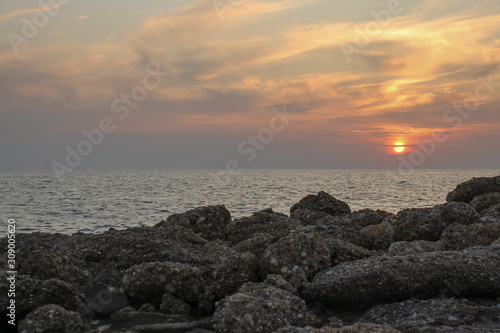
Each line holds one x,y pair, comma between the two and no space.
27,11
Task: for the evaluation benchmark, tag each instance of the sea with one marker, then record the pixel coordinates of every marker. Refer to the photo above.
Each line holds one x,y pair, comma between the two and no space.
93,201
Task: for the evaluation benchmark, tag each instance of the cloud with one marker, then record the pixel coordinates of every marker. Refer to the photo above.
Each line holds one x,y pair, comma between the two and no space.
28,11
81,17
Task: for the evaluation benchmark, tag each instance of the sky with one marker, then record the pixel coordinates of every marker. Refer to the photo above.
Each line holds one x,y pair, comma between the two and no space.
250,84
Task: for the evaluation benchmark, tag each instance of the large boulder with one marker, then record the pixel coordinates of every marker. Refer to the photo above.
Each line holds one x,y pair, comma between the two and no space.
380,235
412,315
429,223
493,213
52,318
458,236
266,221
147,282
209,221
354,328
260,308
322,202
256,245
307,251
404,248
466,191
472,273
485,201
342,251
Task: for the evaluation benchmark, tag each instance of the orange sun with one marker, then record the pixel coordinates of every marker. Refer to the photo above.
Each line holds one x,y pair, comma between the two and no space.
399,147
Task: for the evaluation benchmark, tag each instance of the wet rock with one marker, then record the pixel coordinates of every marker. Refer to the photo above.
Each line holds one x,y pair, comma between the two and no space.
307,251
172,305
343,251
147,282
355,328
405,248
105,300
266,221
458,236
380,235
485,201
322,202
136,318
429,223
256,245
209,221
428,314
371,281
466,191
260,308
52,318
32,294
307,216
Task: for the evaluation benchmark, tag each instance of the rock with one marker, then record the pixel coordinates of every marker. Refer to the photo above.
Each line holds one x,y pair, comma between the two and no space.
367,217
466,191
355,328
52,318
307,216
172,305
371,281
210,221
105,300
381,235
458,236
260,308
165,328
343,251
485,201
492,212
233,271
147,282
429,223
137,318
32,294
420,314
256,245
405,248
146,307
307,251
266,221
322,202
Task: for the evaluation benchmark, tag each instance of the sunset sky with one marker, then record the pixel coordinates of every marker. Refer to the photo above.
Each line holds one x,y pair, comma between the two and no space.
353,78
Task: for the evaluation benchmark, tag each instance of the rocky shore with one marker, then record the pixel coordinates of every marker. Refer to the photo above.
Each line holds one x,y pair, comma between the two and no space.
323,268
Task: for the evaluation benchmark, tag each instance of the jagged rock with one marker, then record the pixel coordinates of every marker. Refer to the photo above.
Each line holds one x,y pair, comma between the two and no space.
354,328
136,318
172,305
414,247
307,251
428,314
52,318
147,282
105,300
256,245
307,216
32,294
466,191
485,201
210,221
266,221
322,202
458,236
371,281
429,223
342,251
260,308
381,235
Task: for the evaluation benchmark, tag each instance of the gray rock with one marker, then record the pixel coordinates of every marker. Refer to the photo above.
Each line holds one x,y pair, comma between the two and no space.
492,212
234,270
307,251
338,227
147,282
473,272
210,221
266,221
485,201
260,308
343,251
147,307
172,305
426,314
105,300
322,202
405,248
165,328
306,216
458,236
466,191
366,217
256,245
429,223
354,328
380,235
52,318
136,318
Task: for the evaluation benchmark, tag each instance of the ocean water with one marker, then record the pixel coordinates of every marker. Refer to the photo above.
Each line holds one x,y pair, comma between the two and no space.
94,201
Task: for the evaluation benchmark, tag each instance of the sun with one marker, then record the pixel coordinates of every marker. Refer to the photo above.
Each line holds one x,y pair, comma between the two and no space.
399,147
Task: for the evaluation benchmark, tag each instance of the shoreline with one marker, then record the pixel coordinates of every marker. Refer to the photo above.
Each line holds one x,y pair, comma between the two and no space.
322,268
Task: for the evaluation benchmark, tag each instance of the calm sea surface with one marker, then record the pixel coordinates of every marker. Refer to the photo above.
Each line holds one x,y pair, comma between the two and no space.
93,201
